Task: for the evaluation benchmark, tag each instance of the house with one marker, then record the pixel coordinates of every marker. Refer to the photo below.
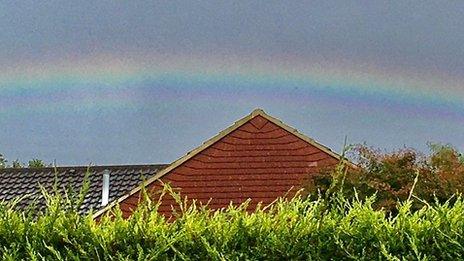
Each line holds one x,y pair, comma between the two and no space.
258,158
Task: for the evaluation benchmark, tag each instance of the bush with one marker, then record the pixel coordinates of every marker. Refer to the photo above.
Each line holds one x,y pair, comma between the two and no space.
391,176
297,229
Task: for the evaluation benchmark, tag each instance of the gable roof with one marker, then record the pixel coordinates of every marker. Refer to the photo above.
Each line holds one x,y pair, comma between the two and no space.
213,140
26,182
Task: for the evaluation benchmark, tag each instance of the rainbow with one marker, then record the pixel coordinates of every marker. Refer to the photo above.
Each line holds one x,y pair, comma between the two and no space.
77,83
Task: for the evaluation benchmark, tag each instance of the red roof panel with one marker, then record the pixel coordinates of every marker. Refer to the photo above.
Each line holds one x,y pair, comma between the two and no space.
259,160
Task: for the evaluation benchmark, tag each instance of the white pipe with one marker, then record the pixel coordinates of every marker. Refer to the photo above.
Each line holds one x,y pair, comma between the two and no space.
105,187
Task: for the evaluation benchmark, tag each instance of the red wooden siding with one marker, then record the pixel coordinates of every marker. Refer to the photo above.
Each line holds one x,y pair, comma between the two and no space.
259,160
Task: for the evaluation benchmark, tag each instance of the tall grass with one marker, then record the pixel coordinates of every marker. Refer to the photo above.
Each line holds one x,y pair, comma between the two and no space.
297,229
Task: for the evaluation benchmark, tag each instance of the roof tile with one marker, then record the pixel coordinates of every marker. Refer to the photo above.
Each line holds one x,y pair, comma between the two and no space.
16,183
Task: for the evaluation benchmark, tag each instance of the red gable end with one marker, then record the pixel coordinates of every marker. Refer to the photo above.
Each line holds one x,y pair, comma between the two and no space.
260,159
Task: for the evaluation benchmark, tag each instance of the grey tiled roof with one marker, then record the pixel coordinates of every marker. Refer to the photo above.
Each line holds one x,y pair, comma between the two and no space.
16,183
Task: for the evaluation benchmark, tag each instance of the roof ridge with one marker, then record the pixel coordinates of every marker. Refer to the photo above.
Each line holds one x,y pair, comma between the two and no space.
89,166
257,111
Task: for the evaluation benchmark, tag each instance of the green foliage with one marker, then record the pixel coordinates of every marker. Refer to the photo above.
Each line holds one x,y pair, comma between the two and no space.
297,229
3,162
391,176
344,221
36,163
16,164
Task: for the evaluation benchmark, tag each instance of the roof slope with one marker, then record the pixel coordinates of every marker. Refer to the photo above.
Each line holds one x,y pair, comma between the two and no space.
257,157
21,182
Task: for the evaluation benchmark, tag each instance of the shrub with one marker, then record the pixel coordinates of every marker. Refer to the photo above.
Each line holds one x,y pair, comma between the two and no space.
296,229
36,163
391,176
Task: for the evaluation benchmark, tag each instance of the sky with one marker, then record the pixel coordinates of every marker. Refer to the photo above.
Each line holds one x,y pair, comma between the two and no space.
138,82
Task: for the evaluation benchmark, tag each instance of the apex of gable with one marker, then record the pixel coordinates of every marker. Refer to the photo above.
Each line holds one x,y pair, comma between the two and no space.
257,111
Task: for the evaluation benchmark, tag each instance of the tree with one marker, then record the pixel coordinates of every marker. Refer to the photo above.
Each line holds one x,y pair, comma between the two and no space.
392,176
3,162
36,163
16,164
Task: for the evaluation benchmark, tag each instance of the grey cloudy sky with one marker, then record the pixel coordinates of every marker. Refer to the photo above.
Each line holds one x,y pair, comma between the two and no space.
422,38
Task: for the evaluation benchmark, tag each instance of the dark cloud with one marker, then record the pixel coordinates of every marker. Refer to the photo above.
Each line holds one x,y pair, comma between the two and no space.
418,34
420,37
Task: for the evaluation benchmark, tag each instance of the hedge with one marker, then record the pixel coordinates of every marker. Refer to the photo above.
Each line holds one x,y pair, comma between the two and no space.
297,229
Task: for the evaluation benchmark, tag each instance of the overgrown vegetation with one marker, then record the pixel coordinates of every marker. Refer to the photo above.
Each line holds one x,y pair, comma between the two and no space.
391,176
35,163
17,164
298,229
343,222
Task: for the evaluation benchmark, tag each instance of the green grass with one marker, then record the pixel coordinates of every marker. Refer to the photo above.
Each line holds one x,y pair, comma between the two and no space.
298,229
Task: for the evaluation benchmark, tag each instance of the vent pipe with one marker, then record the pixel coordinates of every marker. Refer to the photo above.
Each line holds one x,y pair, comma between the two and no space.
105,187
